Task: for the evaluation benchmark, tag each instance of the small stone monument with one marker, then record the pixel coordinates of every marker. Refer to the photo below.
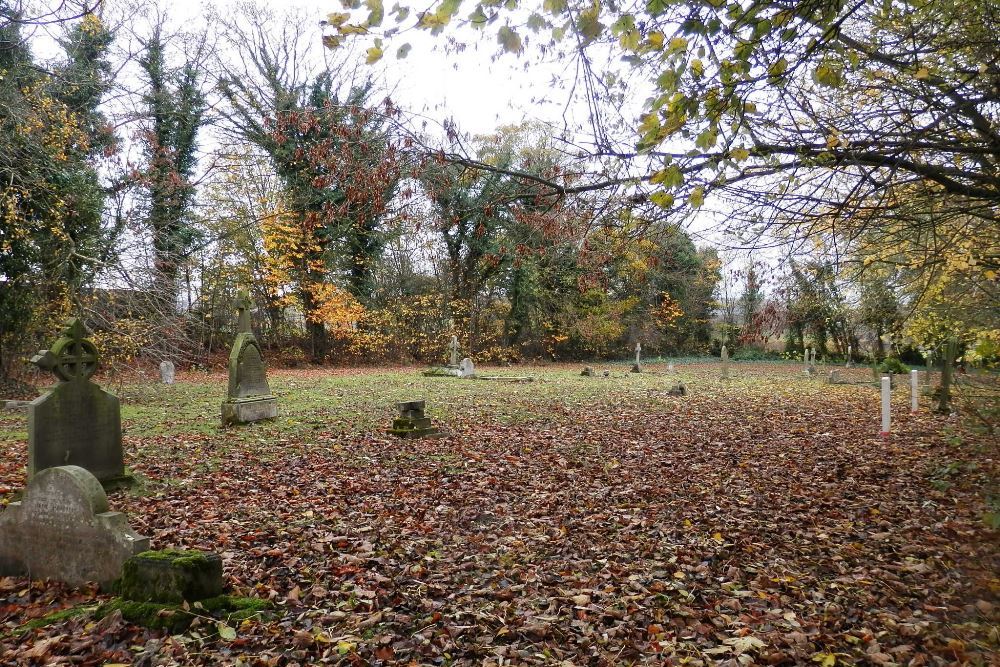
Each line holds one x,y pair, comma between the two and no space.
725,363
850,362
637,366
805,362
453,352
172,576
167,372
77,423
834,377
411,422
678,390
588,372
250,396
466,369
62,530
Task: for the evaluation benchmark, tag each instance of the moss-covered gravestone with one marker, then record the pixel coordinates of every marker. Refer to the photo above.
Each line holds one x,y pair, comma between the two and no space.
77,423
250,396
62,529
411,422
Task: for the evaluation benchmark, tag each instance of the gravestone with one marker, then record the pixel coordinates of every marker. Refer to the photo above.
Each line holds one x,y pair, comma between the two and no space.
453,352
588,371
249,397
77,423
167,372
805,362
62,529
834,377
466,369
850,363
725,363
637,366
412,423
678,390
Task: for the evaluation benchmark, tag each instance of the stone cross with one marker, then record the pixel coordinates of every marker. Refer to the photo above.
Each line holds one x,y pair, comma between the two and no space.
243,306
725,362
167,372
77,423
62,529
453,352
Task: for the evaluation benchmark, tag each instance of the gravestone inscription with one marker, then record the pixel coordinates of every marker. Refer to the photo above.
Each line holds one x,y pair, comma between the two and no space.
62,529
77,423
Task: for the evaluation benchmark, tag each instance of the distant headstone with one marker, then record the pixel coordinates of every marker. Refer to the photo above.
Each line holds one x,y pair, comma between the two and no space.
62,530
249,397
637,366
77,423
805,361
850,362
725,362
412,423
678,390
588,372
453,352
834,377
167,372
466,369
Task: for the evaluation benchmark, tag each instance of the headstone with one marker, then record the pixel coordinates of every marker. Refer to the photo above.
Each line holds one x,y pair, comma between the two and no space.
850,363
412,423
588,372
249,396
453,352
62,529
637,366
167,372
77,423
466,369
805,360
834,377
678,390
725,363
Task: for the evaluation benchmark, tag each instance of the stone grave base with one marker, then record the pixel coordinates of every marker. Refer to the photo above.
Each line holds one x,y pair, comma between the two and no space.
246,410
413,428
636,368
505,378
442,372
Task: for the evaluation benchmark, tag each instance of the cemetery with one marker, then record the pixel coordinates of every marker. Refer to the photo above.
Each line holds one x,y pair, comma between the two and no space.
499,334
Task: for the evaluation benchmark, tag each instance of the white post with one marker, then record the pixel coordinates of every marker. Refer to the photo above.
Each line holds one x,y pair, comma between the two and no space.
848,357
914,389
886,405
807,359
670,366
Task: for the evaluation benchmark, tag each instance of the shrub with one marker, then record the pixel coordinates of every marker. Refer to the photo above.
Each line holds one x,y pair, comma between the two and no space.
893,365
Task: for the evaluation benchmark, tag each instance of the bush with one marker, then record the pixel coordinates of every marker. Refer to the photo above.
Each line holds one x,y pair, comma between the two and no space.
753,354
893,365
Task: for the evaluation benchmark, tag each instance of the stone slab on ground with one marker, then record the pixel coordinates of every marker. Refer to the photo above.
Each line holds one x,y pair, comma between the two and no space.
172,576
244,411
62,529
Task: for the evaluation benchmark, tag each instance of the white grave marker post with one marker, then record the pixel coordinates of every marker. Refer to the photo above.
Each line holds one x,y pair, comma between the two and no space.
806,361
638,353
914,389
725,362
848,357
886,404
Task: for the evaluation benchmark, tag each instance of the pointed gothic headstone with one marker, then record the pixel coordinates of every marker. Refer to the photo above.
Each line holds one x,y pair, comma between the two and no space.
77,423
249,397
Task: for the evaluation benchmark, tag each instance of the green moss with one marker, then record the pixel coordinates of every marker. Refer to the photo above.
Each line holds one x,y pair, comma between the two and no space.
171,576
176,619
49,619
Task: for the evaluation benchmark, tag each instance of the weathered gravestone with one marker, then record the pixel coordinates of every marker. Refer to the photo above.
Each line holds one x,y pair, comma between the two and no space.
250,396
62,530
678,390
637,366
725,362
77,423
466,369
588,371
167,372
850,362
412,423
453,352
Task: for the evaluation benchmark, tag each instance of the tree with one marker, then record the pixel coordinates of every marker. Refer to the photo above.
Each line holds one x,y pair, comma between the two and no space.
175,109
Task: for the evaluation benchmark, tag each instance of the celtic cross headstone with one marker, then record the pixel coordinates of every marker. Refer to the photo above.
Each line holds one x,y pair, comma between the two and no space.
77,423
249,395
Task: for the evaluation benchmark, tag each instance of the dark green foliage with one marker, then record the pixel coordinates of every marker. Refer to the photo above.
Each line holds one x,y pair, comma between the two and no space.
175,618
893,365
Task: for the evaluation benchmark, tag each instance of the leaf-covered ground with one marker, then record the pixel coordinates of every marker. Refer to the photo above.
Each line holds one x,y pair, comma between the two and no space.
572,520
